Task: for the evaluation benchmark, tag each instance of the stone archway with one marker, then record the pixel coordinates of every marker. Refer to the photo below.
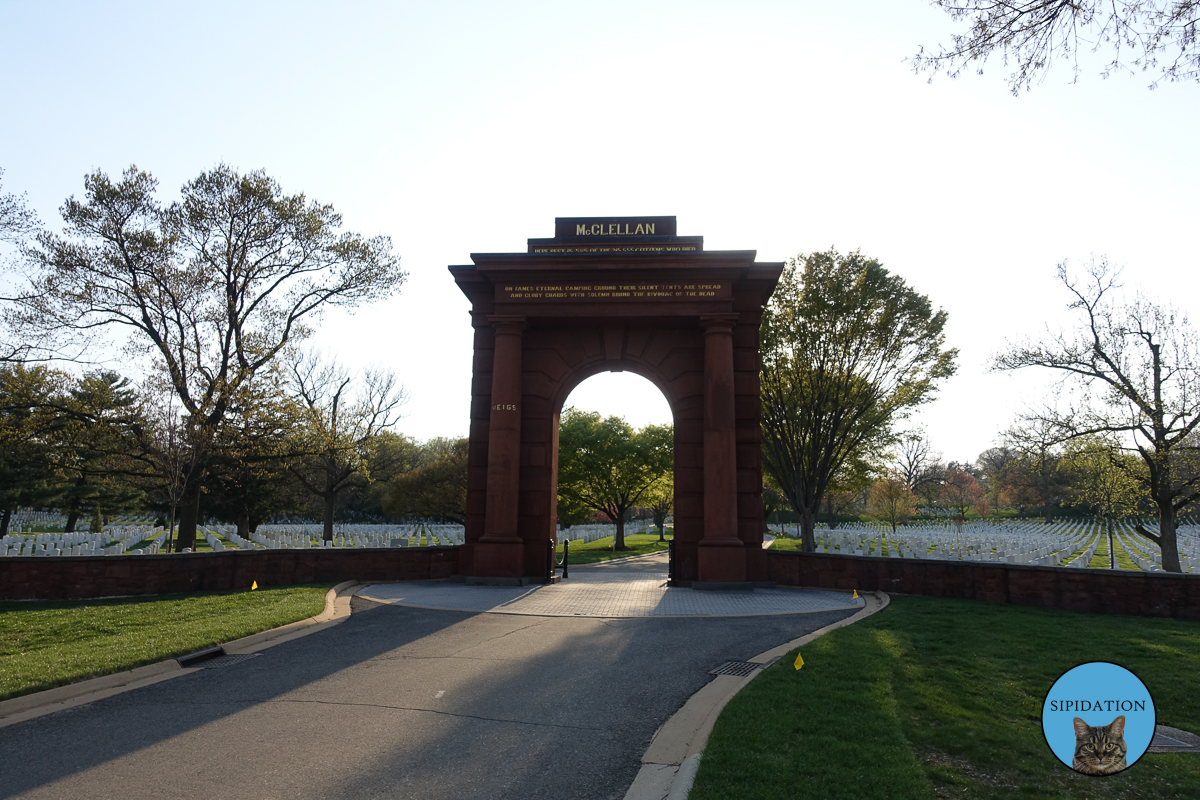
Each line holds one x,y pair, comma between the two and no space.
611,294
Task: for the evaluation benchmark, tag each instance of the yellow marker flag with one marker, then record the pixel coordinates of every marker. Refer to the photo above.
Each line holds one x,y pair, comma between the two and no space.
855,597
253,586
799,661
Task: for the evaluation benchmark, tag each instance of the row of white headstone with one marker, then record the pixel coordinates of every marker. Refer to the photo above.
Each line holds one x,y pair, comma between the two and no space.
28,520
1071,543
1018,544
114,541
307,536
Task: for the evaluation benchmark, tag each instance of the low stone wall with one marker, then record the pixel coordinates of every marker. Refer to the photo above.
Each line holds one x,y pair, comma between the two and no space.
1146,594
71,577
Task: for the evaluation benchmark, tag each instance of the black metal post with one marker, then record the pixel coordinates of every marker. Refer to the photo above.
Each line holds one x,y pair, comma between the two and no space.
549,561
566,556
670,560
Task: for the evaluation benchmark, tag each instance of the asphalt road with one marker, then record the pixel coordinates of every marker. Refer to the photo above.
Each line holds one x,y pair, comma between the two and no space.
397,703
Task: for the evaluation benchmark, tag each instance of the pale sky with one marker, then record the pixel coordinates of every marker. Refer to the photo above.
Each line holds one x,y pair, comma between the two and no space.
782,127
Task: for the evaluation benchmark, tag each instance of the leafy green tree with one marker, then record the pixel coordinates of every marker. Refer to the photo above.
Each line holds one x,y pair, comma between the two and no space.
848,350
392,455
992,464
27,427
849,485
607,466
773,500
1136,369
436,487
1033,474
1030,34
571,513
659,500
1105,480
214,286
99,448
961,492
248,480
892,502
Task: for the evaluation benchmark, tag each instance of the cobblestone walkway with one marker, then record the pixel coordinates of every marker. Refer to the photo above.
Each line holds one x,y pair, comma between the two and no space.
616,589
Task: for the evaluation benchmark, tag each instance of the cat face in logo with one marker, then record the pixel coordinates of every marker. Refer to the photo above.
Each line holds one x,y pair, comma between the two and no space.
1099,750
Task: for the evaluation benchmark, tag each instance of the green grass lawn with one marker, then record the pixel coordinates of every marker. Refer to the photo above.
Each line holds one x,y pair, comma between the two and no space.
788,543
1100,558
637,544
1123,559
52,643
936,698
785,543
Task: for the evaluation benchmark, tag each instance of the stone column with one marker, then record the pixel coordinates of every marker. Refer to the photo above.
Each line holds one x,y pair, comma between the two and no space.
722,556
500,551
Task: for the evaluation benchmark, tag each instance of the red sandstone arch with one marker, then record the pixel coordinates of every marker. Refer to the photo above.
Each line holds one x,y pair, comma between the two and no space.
602,297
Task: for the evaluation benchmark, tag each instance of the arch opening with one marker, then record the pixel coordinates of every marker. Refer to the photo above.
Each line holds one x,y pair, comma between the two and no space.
640,403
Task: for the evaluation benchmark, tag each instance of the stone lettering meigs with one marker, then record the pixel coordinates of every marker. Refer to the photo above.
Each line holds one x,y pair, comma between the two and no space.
612,294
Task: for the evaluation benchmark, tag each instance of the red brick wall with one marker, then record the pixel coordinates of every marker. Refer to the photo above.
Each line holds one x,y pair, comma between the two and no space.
71,577
1148,594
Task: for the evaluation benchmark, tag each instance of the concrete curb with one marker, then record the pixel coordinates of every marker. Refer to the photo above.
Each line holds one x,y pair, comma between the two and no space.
669,765
61,698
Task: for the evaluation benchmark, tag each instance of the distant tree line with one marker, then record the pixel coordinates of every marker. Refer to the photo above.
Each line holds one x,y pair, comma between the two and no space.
97,445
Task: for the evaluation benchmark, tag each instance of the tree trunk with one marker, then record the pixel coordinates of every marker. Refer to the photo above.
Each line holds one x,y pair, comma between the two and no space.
1167,544
189,514
330,498
72,518
243,523
330,501
808,522
5,519
619,538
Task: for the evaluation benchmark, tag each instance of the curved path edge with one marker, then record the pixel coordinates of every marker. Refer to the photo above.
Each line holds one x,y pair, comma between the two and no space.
669,765
60,698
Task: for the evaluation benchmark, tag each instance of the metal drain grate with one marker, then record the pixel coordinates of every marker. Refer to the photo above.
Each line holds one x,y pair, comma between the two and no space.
1173,740
225,661
739,669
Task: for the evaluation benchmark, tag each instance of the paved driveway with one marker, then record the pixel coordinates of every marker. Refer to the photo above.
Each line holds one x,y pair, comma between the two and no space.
398,702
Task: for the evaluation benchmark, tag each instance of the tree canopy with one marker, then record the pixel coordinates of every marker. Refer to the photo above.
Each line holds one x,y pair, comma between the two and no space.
1135,367
1142,35
17,220
848,350
892,502
214,286
436,486
334,443
607,466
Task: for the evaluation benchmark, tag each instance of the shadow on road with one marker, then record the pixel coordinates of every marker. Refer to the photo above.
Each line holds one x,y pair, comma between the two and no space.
398,702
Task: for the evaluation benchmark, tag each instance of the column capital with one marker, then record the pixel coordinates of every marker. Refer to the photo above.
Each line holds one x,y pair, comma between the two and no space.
718,323
507,323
